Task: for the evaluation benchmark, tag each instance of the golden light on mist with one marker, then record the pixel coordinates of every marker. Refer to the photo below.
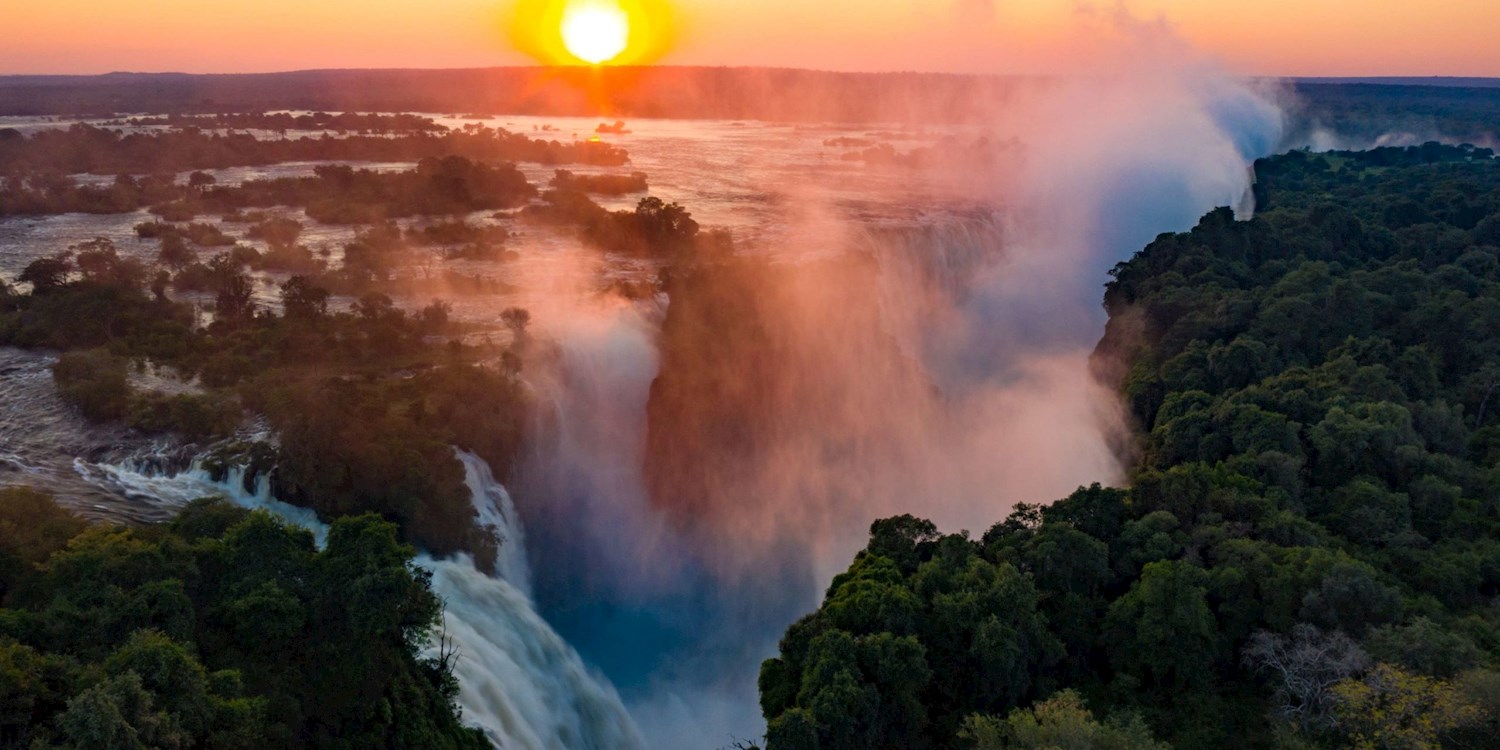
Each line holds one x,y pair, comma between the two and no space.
594,32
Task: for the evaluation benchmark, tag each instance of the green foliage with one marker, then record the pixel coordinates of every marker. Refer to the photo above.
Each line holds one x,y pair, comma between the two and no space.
303,300
654,228
33,528
367,418
47,274
1392,708
95,382
215,631
919,633
601,184
1061,722
196,417
85,314
1424,647
1162,630
348,447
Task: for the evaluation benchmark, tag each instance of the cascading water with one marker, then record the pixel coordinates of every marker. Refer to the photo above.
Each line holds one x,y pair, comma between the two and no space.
41,439
519,682
583,473
632,591
497,512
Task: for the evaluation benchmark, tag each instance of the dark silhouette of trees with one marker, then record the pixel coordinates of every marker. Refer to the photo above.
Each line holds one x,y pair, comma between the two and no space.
47,274
303,300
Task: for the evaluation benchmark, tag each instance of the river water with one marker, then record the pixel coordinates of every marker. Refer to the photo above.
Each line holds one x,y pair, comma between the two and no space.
607,627
520,680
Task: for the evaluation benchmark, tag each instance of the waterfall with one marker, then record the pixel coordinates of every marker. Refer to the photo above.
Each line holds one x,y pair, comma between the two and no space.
519,681
497,512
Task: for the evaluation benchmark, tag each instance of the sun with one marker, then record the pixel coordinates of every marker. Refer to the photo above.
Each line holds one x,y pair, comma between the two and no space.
595,31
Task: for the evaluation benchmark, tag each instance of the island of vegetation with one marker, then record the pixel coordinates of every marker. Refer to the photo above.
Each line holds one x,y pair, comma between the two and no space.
110,151
366,401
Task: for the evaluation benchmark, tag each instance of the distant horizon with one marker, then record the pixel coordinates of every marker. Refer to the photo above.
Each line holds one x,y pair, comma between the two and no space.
1411,79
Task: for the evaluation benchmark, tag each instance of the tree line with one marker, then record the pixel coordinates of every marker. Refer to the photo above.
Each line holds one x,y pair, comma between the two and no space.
84,148
220,629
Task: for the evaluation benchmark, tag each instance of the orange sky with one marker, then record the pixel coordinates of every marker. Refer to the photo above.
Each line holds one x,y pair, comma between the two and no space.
1273,37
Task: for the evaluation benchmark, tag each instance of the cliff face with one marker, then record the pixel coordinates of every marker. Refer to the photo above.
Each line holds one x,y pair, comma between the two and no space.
778,393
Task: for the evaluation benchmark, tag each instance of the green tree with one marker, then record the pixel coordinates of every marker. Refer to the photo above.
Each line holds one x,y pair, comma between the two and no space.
1163,631
1061,722
303,300
1424,647
118,714
95,382
47,274
1392,709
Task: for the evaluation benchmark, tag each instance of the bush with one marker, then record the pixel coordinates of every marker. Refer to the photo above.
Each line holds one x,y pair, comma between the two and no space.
94,382
197,418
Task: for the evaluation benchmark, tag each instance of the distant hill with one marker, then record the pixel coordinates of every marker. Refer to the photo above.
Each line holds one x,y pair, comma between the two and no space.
1450,108
680,92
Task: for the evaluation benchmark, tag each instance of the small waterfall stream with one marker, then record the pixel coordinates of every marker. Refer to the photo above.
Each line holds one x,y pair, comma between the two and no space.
496,511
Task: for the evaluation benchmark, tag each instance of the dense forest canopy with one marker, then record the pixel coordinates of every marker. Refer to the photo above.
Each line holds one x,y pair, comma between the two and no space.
222,629
1366,112
1308,551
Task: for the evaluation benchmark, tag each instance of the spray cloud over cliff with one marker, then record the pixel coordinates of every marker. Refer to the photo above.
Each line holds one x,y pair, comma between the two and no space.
851,372
713,457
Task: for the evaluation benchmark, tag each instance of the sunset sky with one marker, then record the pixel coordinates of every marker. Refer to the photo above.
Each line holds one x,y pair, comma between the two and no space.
1266,37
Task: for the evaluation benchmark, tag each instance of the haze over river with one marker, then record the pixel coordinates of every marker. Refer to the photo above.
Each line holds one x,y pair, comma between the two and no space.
762,182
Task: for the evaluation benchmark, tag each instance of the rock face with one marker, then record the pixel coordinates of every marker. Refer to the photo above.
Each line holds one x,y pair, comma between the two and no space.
779,392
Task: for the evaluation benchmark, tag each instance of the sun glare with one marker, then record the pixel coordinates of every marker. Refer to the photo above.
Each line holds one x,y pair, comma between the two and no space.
595,31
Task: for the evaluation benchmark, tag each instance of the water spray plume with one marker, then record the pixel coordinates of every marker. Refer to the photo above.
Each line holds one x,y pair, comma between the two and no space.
730,461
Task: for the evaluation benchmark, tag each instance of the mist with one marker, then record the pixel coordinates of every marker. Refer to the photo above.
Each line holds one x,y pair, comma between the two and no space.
707,459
